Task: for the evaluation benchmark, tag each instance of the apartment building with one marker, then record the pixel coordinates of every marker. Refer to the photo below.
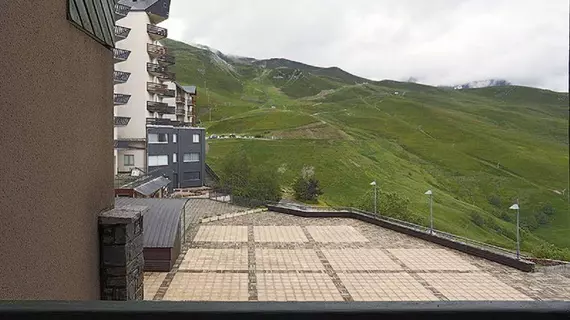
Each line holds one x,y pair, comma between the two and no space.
148,101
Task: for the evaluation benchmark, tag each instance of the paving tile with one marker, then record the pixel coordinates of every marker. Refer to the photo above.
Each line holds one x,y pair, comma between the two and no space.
335,234
279,234
472,286
215,259
208,287
221,234
152,282
296,287
432,259
287,259
360,259
385,287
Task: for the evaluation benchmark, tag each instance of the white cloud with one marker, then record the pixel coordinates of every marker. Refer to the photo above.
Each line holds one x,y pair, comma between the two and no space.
439,42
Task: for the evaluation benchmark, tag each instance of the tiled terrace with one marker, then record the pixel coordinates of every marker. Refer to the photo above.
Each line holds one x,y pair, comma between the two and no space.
276,257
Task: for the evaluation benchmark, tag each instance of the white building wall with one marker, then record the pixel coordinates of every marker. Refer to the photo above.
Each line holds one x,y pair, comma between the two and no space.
136,86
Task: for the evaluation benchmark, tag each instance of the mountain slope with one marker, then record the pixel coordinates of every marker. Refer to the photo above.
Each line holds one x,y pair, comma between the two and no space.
478,149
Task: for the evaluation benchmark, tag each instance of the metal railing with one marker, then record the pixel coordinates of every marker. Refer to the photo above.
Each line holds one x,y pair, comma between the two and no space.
121,121
159,107
120,98
156,32
120,54
180,99
121,32
160,89
121,11
121,76
166,59
155,50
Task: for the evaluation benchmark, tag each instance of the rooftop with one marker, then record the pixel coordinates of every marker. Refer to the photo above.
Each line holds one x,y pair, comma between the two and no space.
268,256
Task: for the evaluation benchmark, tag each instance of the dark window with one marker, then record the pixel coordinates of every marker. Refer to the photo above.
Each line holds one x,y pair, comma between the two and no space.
193,175
94,17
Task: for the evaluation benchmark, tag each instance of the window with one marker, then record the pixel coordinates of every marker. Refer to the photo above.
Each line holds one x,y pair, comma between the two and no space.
154,161
196,138
174,136
191,157
194,175
157,138
174,158
129,160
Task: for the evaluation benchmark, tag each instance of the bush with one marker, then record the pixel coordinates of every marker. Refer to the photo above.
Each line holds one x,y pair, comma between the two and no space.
494,200
529,223
477,218
548,209
306,186
247,186
549,251
541,218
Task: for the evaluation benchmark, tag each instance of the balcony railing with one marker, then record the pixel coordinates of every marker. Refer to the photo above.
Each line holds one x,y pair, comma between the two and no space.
159,107
180,111
121,11
180,99
160,89
121,33
160,71
122,121
156,32
120,76
166,60
120,54
121,99
155,50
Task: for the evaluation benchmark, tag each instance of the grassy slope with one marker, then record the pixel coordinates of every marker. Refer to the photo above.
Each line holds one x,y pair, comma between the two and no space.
466,145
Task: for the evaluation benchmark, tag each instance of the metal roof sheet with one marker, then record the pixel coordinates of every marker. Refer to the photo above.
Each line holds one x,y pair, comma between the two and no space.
152,186
161,221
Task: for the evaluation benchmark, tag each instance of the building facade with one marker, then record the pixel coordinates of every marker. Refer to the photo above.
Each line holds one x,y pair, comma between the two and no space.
178,153
146,94
56,179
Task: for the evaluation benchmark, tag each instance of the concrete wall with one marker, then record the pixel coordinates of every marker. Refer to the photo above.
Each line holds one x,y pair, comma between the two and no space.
56,153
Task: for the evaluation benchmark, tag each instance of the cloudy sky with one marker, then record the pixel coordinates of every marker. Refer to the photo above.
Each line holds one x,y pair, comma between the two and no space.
438,42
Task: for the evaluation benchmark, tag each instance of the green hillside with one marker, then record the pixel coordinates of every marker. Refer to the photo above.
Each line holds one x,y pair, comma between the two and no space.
478,149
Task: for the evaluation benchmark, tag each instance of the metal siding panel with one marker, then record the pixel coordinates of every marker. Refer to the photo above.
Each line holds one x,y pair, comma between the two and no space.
85,21
73,13
106,23
94,20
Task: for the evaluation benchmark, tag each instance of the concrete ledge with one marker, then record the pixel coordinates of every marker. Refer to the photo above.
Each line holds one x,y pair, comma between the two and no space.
522,265
122,215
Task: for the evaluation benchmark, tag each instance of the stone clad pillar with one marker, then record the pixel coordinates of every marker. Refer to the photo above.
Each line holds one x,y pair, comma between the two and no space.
121,253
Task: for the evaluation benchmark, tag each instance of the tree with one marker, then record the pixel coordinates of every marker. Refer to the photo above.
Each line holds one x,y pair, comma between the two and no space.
306,186
246,185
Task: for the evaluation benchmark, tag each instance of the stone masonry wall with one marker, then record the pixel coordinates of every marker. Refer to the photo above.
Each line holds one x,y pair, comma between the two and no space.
121,245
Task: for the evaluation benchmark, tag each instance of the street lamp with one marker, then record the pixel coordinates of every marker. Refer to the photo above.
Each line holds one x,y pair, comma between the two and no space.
516,207
373,183
430,194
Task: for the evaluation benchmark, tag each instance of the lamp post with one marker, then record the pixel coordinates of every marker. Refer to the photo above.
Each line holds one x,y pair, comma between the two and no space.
516,207
373,183
430,210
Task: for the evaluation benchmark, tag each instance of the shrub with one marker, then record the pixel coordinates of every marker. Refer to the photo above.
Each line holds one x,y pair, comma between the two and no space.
549,251
477,218
247,186
529,222
306,187
541,218
548,209
494,200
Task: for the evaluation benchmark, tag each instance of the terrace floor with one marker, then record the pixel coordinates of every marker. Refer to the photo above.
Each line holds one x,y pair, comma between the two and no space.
269,256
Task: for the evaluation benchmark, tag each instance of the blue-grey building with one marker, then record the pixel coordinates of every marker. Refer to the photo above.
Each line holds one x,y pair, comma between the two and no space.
178,153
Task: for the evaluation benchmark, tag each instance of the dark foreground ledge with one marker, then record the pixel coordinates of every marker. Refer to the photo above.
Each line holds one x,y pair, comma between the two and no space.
282,310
